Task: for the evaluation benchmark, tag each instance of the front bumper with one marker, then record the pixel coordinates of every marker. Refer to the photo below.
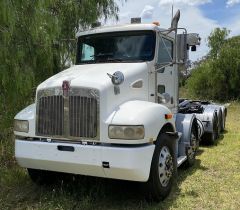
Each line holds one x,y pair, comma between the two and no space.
126,163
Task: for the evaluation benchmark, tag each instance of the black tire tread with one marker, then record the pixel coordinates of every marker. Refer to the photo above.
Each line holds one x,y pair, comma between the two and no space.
155,191
190,162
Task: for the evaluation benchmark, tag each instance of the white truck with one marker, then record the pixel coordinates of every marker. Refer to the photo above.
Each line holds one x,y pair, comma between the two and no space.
117,113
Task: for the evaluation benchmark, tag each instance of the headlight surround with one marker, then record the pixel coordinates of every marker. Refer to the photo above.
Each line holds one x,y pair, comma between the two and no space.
128,132
21,126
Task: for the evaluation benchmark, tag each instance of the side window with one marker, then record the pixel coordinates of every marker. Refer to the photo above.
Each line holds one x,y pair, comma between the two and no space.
87,52
165,51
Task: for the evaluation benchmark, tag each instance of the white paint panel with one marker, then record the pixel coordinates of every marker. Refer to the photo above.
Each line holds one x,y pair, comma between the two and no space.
125,163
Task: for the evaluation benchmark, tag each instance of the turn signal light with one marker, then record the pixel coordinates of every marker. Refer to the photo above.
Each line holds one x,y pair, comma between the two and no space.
168,116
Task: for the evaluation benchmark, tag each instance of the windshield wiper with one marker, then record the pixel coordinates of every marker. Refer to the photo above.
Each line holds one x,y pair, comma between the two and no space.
102,55
105,57
116,59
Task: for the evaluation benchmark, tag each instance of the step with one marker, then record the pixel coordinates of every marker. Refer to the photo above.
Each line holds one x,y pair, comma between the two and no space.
180,160
179,135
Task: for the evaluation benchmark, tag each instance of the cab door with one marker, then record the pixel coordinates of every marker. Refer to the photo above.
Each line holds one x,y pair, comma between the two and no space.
166,77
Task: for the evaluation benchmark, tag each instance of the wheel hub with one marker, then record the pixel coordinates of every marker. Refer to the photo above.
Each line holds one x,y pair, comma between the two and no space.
165,166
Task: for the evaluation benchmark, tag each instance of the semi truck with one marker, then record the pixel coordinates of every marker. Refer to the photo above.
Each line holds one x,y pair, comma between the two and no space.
116,113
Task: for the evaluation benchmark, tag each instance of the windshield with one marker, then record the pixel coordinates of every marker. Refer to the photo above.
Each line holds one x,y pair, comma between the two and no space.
137,46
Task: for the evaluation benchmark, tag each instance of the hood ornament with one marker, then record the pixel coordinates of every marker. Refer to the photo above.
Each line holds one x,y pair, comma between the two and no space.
117,78
65,87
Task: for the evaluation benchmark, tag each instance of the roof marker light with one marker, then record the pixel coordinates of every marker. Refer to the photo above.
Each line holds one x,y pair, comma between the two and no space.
136,20
156,23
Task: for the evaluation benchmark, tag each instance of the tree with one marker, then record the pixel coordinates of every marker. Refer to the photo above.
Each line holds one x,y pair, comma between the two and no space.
218,76
216,40
35,44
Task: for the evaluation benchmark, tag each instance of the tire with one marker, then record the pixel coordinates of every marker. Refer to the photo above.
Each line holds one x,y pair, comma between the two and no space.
42,177
210,138
220,122
223,120
192,150
163,169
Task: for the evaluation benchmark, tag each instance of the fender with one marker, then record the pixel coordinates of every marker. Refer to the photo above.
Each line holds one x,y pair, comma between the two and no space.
184,123
27,114
213,107
207,117
137,112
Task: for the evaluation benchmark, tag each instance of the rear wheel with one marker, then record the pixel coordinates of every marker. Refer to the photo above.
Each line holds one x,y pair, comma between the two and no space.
163,168
220,122
223,120
210,138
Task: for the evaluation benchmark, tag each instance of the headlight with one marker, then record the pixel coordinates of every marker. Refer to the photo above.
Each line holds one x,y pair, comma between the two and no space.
21,126
134,132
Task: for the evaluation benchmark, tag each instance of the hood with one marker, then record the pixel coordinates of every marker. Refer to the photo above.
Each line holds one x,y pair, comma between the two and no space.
94,75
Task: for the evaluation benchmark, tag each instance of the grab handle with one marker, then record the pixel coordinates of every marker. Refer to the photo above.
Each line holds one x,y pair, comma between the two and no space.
65,148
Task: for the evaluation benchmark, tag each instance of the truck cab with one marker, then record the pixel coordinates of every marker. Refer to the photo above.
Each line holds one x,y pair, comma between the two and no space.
115,113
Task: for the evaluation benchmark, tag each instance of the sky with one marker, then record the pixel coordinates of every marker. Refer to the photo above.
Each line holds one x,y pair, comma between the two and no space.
198,16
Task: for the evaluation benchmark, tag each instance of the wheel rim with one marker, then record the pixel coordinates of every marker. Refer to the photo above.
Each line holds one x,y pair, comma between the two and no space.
165,168
193,147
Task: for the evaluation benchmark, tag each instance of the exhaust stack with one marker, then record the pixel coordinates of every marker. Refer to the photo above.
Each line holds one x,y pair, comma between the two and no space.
175,20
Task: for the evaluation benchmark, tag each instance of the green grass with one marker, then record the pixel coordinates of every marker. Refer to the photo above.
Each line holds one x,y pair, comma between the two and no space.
212,183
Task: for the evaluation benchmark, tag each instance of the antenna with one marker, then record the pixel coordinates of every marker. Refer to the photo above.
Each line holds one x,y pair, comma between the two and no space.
172,8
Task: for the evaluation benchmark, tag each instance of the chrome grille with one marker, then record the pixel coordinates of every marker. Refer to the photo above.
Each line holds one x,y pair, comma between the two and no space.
83,116
72,117
50,116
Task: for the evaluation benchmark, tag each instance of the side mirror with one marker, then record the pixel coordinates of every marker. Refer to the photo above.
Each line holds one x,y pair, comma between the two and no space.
184,43
164,98
193,39
182,48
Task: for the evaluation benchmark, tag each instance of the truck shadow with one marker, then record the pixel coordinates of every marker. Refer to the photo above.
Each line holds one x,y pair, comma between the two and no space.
100,193
117,194
217,141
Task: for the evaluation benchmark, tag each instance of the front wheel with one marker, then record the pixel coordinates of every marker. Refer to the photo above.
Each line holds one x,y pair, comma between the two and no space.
192,149
163,168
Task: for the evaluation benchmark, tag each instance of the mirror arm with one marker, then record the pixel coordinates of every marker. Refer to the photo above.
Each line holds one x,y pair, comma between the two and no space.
162,67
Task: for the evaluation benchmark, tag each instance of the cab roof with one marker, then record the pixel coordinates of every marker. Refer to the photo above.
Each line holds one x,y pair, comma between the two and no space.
120,28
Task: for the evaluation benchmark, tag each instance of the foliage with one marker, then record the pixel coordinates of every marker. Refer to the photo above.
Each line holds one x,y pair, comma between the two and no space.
216,40
198,84
35,44
212,183
218,76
